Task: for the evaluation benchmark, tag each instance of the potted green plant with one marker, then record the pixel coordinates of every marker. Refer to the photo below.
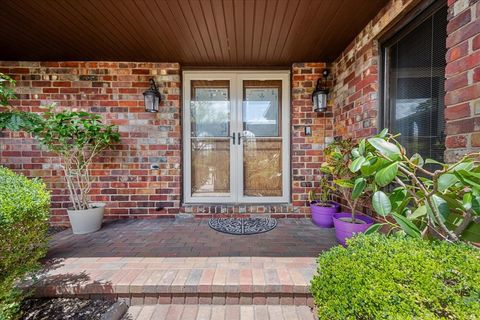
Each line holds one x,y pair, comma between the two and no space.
351,186
426,198
321,207
77,137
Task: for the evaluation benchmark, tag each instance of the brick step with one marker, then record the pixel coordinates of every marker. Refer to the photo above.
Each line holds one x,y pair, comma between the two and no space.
227,312
208,280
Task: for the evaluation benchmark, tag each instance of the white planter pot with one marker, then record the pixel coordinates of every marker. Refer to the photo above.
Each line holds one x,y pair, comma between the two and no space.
87,221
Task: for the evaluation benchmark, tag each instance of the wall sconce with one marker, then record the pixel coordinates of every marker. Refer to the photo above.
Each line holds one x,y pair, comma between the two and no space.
152,97
320,94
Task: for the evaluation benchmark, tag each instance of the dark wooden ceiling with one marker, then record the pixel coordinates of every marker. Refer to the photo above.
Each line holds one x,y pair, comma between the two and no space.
192,32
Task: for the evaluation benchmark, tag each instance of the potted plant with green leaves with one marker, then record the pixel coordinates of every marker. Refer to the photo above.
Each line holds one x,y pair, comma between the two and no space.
321,206
77,137
350,185
426,198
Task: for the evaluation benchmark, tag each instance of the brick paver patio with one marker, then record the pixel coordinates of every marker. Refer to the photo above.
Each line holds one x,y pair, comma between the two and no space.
192,238
186,265
208,312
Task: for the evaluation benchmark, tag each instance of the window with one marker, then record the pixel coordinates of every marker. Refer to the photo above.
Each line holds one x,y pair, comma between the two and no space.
413,83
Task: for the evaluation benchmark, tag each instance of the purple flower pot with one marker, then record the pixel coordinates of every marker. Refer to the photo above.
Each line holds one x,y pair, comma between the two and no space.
322,216
345,229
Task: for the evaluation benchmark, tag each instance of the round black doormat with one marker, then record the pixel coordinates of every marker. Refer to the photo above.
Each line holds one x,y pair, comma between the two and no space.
242,225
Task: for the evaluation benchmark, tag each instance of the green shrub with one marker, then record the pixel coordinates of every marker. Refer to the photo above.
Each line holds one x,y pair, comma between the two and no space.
24,211
380,277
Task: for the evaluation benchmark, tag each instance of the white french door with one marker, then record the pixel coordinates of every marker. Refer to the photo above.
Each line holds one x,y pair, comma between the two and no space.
236,136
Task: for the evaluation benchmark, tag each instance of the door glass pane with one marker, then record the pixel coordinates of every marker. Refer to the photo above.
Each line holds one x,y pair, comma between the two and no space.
210,138
262,138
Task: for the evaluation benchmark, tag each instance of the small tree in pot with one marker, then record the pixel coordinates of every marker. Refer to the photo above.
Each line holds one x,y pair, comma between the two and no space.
321,207
350,184
77,137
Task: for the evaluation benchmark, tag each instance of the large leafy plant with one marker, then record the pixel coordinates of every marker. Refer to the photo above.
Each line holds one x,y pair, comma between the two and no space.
424,197
11,118
77,137
350,184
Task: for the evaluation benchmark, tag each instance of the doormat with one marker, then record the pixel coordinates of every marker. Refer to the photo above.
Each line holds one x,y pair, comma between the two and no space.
239,226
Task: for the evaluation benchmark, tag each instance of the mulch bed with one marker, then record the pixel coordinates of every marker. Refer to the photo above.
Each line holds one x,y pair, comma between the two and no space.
64,309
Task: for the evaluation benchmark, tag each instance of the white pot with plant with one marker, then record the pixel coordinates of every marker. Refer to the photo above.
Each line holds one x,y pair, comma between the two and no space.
77,137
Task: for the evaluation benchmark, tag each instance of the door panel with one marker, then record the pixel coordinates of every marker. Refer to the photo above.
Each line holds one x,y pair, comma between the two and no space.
236,130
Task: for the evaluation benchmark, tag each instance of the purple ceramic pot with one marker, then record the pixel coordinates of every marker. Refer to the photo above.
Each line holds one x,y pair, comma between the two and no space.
346,229
336,204
322,216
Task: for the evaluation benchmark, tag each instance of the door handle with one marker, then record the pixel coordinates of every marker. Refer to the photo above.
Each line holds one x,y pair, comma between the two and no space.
233,137
239,138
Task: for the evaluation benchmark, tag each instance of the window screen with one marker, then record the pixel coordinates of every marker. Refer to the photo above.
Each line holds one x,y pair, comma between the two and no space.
414,63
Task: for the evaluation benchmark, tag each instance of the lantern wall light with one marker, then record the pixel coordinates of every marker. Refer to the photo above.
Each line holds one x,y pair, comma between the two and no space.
152,97
320,94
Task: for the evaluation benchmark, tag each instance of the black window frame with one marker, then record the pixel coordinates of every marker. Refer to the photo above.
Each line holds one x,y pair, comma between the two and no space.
410,22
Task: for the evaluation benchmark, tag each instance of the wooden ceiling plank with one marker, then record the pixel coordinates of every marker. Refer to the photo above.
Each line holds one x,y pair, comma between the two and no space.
216,9
203,30
67,9
286,28
297,30
278,22
180,33
213,30
250,16
270,12
116,27
31,16
178,12
229,15
238,6
127,12
259,25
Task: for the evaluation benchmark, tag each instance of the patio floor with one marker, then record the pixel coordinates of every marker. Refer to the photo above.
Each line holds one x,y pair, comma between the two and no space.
184,262
192,238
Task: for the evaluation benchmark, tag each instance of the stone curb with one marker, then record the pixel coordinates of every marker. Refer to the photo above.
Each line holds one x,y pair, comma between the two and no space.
116,311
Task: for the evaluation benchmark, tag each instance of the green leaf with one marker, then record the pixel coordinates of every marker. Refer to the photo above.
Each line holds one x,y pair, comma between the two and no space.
408,226
358,188
431,161
419,212
445,181
386,148
361,147
357,164
467,201
374,228
343,183
417,159
382,133
440,204
386,175
381,203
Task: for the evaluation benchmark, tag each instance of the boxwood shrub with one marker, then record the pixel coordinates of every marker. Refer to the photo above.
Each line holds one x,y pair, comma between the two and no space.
24,212
380,277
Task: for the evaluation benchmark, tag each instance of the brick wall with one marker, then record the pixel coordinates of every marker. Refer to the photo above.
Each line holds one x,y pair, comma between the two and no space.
462,84
355,71
123,176
307,151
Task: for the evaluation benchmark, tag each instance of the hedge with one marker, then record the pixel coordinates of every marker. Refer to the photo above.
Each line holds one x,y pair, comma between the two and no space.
24,212
381,277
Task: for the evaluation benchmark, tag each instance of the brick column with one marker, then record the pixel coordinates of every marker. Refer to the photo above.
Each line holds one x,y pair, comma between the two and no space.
462,86
307,151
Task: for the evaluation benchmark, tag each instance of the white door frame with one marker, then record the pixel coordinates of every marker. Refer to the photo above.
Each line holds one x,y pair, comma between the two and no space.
236,154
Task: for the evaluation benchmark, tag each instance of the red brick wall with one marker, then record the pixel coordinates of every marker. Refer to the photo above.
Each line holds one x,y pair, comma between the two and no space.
355,71
462,84
307,151
123,176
